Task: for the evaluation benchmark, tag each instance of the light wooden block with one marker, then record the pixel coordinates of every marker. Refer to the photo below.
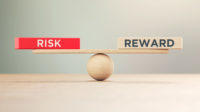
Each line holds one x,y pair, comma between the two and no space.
150,42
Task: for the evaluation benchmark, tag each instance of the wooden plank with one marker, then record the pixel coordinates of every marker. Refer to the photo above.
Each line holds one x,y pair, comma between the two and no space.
150,42
94,51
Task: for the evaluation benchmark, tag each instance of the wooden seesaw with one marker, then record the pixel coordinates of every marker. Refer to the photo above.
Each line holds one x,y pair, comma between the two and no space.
100,66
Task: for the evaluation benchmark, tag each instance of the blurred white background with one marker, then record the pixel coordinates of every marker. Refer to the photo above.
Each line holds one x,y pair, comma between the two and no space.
99,23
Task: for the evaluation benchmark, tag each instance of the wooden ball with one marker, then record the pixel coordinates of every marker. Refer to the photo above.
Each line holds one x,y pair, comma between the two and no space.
100,66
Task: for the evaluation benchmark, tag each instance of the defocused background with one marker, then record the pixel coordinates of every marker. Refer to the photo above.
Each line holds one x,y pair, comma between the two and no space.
99,23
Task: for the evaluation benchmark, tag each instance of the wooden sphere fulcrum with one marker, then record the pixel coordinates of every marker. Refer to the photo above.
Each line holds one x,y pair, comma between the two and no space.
100,66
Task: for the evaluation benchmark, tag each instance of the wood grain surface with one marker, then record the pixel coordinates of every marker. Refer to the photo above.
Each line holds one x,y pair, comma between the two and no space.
80,93
94,51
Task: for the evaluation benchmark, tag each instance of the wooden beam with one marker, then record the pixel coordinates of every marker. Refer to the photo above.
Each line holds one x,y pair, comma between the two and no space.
94,51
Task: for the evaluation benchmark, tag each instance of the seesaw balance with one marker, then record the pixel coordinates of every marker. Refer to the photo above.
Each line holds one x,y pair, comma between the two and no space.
100,66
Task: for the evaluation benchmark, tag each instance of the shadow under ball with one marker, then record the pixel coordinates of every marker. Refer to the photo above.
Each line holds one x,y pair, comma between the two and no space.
100,66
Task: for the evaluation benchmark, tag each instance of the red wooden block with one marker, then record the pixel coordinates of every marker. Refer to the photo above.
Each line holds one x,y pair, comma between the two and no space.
47,43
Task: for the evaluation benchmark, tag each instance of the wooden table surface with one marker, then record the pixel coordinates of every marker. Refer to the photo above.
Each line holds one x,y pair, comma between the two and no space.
80,93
